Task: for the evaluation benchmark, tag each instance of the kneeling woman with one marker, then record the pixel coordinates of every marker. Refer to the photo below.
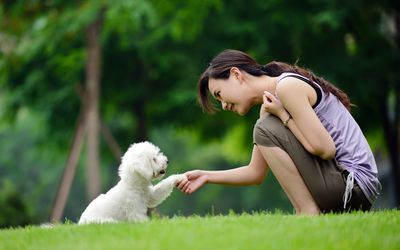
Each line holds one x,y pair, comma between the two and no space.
305,135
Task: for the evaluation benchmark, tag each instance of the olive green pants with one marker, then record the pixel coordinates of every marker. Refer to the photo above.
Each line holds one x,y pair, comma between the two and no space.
325,179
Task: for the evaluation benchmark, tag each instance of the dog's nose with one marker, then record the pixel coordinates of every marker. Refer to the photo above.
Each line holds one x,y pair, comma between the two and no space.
162,172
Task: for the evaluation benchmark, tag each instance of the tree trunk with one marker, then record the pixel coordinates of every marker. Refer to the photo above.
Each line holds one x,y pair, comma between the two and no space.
390,115
396,149
69,170
389,129
396,118
111,142
93,73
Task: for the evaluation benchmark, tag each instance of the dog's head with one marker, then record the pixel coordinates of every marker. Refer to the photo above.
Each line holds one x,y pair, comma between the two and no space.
144,159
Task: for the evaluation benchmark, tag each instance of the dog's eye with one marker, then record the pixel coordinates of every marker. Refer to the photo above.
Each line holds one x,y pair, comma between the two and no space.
154,159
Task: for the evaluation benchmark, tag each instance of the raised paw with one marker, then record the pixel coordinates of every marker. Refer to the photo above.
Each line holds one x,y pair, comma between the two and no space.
179,178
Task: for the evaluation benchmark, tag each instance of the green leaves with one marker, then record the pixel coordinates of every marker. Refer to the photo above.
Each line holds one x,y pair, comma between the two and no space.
154,50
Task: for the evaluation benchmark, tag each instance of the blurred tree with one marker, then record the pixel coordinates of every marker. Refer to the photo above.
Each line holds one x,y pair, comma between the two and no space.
13,211
352,44
153,51
49,37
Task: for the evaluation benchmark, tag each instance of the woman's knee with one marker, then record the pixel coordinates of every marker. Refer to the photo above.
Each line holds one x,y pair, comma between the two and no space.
269,131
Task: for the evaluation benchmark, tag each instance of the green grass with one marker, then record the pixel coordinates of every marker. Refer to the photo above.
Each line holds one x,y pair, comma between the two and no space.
374,230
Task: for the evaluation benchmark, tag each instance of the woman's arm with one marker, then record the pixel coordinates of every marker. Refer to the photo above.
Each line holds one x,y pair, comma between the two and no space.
296,97
252,174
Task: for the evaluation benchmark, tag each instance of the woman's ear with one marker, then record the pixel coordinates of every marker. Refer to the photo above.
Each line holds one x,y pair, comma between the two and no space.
236,73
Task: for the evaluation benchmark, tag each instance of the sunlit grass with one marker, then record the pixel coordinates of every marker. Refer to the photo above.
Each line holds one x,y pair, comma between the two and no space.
374,230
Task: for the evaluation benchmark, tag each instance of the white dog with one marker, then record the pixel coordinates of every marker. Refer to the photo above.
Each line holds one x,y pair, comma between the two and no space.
134,193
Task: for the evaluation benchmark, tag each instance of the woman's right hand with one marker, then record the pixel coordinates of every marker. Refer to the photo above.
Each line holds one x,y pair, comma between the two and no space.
195,180
273,105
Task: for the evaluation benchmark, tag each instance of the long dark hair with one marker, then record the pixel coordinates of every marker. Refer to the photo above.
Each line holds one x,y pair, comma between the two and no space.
220,66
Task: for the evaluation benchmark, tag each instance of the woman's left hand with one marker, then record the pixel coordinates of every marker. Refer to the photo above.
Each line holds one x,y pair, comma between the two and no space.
273,105
195,180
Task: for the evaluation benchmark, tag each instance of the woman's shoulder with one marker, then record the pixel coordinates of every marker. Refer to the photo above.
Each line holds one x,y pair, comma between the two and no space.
288,74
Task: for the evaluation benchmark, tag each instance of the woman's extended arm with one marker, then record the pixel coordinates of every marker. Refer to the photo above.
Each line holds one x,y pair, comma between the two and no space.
252,174
295,97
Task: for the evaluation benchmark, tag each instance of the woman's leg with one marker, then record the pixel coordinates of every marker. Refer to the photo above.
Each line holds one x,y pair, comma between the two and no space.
307,179
290,179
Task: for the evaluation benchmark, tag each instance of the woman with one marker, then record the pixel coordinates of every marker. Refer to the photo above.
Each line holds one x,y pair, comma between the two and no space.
305,135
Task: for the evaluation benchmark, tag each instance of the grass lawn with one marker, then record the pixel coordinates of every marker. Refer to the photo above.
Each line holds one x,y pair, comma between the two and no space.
374,230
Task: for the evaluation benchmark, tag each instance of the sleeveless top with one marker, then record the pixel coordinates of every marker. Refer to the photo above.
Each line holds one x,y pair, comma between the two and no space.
352,149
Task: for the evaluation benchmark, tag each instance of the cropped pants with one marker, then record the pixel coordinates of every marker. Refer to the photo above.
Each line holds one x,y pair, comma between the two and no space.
325,179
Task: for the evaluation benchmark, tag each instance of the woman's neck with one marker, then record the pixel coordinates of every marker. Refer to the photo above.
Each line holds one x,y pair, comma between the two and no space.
261,84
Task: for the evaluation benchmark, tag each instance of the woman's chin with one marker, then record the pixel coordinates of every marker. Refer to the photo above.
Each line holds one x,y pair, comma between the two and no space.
242,112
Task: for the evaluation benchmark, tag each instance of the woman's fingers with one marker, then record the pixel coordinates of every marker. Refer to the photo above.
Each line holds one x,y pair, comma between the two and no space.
269,97
182,184
195,179
186,189
265,99
192,174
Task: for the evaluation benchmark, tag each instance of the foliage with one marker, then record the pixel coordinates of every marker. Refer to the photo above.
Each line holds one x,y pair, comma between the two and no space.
260,230
152,54
29,163
13,211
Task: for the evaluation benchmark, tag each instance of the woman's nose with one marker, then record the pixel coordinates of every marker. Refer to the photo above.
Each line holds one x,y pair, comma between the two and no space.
224,105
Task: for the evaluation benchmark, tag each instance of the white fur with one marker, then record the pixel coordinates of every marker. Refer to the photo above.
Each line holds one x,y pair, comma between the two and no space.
134,193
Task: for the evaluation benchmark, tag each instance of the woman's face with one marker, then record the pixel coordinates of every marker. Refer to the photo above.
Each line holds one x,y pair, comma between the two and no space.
231,92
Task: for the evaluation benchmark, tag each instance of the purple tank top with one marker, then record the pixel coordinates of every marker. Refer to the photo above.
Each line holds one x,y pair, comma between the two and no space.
352,149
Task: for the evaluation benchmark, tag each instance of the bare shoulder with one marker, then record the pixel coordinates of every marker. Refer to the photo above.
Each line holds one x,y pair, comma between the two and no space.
289,84
291,87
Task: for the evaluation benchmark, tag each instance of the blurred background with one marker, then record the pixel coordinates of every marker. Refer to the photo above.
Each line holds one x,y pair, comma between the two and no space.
82,80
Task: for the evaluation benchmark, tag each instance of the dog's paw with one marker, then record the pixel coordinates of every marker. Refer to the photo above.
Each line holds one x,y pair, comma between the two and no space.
179,178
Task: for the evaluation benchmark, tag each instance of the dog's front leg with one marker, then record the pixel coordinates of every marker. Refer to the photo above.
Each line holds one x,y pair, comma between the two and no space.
163,189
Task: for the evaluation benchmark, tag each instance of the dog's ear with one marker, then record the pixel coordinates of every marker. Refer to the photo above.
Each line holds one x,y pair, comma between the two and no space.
145,169
136,166
138,158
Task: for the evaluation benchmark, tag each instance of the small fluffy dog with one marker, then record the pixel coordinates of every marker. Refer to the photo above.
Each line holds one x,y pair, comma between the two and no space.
134,193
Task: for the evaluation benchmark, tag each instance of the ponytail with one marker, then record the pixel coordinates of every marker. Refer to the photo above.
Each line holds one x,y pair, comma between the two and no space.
275,68
220,66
